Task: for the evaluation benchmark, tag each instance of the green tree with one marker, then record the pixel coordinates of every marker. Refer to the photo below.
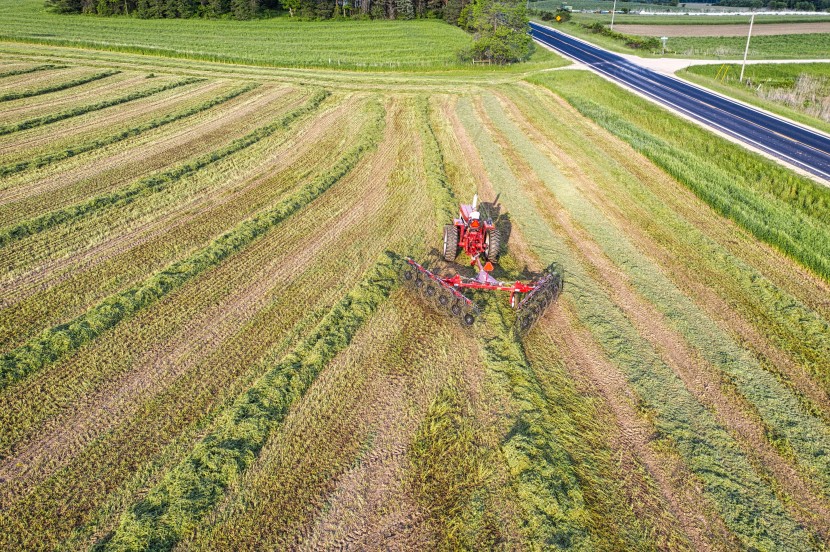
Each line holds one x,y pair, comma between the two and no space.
500,29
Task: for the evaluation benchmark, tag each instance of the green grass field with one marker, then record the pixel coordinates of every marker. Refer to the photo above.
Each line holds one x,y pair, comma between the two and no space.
205,342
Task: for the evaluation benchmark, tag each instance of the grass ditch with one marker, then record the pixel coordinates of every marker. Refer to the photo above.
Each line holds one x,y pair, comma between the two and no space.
56,87
50,158
774,204
31,70
198,483
60,340
80,110
155,183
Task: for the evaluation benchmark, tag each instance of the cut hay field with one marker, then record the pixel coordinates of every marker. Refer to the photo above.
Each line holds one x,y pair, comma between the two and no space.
204,344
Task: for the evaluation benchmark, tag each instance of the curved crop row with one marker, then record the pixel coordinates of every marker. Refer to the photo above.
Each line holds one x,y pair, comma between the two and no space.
31,70
60,340
154,183
56,87
80,110
50,158
198,483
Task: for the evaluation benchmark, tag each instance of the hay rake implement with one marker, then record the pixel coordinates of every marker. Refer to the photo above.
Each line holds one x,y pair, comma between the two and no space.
479,239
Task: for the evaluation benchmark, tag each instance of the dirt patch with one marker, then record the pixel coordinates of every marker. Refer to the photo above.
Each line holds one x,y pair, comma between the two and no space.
765,29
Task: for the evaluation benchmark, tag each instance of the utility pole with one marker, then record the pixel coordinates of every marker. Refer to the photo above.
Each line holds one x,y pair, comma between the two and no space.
746,51
613,11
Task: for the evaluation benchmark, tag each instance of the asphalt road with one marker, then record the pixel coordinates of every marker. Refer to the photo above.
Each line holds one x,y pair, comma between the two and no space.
794,144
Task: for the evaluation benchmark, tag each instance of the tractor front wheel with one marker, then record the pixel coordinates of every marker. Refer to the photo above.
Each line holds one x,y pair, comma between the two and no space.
450,242
492,245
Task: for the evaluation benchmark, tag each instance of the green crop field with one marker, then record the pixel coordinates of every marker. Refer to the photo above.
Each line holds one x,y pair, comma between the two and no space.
205,342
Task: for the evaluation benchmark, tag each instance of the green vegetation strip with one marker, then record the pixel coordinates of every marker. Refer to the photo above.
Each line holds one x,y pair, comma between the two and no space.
56,87
547,483
60,340
196,485
31,70
683,425
155,183
50,158
80,110
450,474
774,204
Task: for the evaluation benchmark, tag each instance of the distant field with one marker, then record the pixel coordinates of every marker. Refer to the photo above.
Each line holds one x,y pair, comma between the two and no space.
803,46
723,30
369,45
795,90
793,46
683,19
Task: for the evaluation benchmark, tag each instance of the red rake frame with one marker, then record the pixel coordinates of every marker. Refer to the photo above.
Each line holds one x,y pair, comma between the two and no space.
536,296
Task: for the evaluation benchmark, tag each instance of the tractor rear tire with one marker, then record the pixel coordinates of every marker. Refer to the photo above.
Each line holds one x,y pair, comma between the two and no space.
450,242
493,245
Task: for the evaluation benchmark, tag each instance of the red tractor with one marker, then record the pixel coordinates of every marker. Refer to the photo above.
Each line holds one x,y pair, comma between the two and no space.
479,237
476,236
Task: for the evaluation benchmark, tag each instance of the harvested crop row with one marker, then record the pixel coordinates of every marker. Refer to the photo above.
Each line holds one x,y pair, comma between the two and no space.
53,343
25,416
30,108
11,71
16,95
59,74
50,158
61,134
168,146
152,184
162,232
658,388
71,170
83,109
246,288
173,234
